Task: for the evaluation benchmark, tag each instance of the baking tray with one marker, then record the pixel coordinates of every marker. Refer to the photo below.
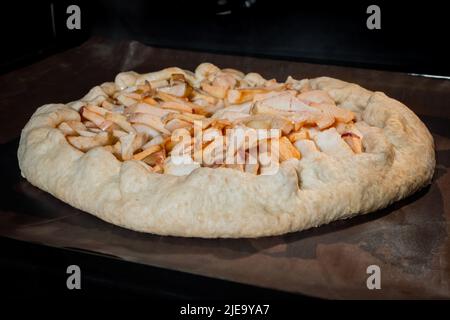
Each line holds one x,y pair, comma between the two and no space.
409,240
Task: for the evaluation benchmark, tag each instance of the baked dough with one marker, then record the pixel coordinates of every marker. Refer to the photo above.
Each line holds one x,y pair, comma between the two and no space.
398,159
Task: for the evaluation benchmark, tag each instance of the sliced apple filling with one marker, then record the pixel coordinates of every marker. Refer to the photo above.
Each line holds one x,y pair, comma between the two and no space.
175,121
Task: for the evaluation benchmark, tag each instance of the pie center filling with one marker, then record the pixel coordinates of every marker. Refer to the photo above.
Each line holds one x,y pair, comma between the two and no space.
175,121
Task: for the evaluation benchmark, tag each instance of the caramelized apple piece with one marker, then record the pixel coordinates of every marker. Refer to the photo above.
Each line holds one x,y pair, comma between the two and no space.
287,150
86,143
299,135
149,120
145,153
353,141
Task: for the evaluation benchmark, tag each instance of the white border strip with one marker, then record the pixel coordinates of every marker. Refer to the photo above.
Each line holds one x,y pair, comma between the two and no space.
428,76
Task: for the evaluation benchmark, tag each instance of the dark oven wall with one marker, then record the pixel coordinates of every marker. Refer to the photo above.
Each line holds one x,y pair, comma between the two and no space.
412,37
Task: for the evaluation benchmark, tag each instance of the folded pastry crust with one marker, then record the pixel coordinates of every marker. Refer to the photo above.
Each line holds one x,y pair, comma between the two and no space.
398,159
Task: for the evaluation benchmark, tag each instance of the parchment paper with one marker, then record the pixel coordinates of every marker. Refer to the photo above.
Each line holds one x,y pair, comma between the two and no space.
409,240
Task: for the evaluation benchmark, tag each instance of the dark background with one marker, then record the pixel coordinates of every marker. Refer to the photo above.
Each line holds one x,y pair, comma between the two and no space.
413,37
